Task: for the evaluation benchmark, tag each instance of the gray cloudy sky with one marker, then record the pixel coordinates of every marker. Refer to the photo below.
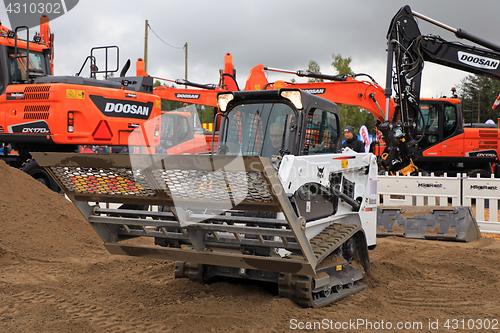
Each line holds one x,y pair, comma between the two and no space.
284,34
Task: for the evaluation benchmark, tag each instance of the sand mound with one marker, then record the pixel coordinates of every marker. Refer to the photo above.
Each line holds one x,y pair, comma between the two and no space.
38,223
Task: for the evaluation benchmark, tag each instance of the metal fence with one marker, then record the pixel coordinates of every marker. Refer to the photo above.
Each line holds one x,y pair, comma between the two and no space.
482,194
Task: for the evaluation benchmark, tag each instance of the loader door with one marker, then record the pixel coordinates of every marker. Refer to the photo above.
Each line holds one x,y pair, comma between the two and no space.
321,135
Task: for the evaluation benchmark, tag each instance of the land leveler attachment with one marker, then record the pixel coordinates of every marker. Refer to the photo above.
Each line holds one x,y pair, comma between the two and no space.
452,223
227,216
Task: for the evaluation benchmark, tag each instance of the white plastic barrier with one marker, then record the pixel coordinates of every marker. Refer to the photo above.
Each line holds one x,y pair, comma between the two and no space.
485,193
419,190
481,193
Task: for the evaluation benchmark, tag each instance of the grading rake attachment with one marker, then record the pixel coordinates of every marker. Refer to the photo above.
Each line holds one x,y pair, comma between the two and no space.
452,223
216,216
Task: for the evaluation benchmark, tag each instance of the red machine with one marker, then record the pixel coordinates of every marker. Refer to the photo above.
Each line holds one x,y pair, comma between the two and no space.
180,133
41,112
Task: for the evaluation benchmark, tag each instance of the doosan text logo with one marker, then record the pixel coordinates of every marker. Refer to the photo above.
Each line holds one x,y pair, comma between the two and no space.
477,61
187,96
126,108
121,108
315,91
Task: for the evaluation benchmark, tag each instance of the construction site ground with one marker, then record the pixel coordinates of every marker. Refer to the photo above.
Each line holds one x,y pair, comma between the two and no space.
55,276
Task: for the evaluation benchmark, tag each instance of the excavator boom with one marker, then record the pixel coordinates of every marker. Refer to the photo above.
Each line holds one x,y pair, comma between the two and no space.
367,95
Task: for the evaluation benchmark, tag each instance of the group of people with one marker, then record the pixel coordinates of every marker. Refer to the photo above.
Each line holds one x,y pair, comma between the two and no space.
92,149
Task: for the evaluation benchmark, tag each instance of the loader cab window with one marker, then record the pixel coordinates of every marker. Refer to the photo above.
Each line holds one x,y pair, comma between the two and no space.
37,64
263,129
321,134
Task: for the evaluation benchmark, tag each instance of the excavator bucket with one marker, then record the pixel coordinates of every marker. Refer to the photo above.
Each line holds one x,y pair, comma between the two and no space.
431,222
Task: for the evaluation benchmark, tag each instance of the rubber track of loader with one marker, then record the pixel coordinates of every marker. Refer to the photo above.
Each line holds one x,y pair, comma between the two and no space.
329,239
298,288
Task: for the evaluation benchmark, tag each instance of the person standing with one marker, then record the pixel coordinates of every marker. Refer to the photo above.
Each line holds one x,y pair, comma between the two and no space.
352,140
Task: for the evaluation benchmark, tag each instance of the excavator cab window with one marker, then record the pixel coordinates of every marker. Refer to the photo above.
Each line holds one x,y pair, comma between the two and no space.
438,120
18,72
262,129
429,119
174,130
321,132
450,120
428,125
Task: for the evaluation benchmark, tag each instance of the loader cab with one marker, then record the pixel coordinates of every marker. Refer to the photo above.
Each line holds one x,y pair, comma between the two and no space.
276,123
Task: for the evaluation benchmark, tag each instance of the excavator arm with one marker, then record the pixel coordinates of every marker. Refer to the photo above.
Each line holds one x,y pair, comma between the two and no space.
205,94
197,96
408,50
341,89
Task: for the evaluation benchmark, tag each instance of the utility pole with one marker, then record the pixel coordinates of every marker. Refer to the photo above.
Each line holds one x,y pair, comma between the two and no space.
186,62
146,48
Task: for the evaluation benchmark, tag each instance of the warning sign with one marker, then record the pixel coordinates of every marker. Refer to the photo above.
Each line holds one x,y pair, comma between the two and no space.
75,94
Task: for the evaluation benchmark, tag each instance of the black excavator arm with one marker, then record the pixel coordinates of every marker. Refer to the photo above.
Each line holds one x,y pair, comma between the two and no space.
408,50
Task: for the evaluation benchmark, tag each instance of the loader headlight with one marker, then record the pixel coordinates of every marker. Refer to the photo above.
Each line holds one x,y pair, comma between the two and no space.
223,100
293,96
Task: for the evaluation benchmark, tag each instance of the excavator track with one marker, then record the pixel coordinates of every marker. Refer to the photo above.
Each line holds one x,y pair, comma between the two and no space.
328,245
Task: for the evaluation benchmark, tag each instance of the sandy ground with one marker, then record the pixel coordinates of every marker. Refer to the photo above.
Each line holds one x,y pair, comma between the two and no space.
55,276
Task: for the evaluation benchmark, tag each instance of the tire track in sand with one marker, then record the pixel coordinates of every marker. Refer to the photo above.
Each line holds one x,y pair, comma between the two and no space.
110,320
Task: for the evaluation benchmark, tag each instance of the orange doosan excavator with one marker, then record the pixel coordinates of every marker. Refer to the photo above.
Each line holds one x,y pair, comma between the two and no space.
181,131
426,135
417,134
46,113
